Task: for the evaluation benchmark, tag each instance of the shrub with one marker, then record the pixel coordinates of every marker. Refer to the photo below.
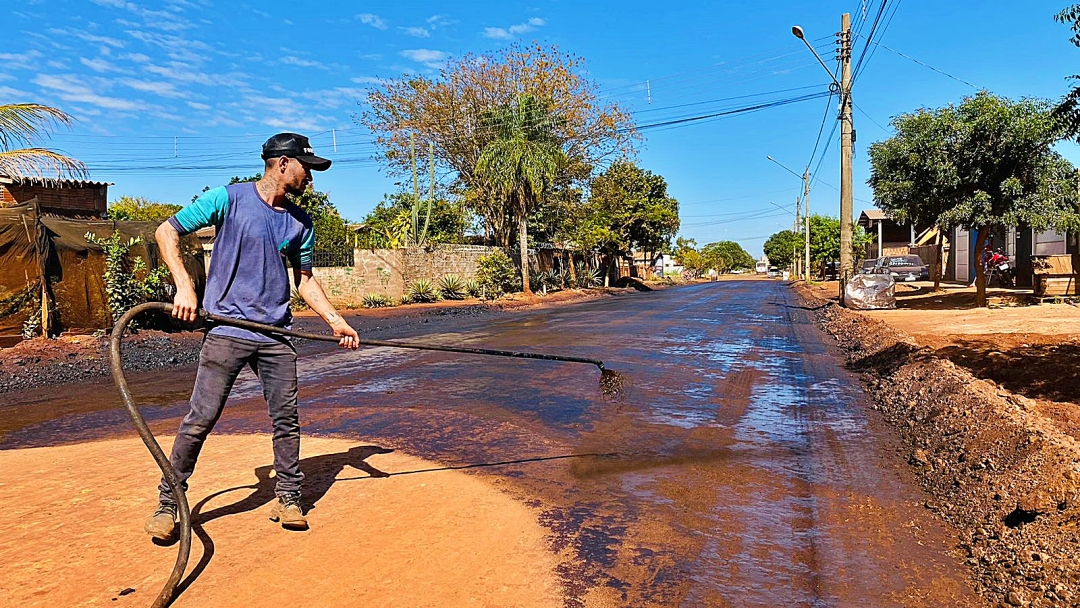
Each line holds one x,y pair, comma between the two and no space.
127,282
589,277
404,299
546,281
422,290
497,273
375,300
473,288
452,287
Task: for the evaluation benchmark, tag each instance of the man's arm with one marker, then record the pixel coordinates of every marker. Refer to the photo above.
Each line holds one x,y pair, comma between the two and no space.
207,210
313,294
186,303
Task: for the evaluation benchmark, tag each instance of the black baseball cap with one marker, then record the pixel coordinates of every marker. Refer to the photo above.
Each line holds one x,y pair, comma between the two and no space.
295,146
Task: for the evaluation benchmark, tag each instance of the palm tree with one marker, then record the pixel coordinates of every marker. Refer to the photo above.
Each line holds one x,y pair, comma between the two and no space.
20,125
521,162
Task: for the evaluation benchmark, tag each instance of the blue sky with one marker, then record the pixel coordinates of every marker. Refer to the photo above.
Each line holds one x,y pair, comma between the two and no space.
175,95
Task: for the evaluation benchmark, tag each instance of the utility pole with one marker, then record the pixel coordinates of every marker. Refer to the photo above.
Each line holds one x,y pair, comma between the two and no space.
806,211
796,260
847,137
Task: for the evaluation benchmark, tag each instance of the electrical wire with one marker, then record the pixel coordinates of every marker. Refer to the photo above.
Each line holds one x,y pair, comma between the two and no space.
929,67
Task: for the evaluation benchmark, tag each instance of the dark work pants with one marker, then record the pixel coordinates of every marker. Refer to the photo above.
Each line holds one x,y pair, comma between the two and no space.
220,361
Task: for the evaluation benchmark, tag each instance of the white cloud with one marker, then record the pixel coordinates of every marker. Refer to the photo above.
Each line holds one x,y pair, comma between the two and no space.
513,31
137,57
374,21
428,57
437,21
303,63
169,20
335,97
419,32
10,94
99,65
113,42
367,80
162,89
71,88
20,61
198,106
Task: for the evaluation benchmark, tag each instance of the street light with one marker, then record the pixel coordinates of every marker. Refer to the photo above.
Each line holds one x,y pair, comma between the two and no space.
805,177
798,31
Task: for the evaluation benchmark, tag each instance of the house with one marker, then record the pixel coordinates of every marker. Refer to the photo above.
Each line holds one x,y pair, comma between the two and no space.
58,197
666,265
1019,244
888,237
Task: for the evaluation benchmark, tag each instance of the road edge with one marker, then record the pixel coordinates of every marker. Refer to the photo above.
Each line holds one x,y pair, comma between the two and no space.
1003,477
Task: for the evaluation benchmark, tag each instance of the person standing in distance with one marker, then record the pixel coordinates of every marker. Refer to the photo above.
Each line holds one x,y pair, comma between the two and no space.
258,230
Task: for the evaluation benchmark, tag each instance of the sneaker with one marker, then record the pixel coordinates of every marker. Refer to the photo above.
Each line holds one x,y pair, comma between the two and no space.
287,510
162,524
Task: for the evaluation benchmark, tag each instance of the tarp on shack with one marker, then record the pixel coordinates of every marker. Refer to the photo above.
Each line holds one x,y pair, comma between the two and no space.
33,248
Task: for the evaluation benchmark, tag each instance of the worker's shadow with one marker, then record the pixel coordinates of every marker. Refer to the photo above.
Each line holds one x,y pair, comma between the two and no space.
320,473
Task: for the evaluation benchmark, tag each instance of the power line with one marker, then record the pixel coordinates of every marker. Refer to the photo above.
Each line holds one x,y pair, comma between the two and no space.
929,67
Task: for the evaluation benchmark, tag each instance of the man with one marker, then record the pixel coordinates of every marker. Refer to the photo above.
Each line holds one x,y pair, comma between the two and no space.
257,230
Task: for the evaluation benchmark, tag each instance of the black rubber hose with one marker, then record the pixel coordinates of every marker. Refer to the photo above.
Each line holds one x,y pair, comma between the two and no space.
117,367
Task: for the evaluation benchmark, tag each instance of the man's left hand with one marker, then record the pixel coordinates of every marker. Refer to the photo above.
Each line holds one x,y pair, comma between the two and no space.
349,338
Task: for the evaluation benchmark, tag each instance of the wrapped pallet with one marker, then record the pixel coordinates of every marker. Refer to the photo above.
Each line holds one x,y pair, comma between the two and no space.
870,292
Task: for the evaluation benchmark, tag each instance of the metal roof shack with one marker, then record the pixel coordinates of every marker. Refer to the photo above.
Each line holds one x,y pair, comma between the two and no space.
61,197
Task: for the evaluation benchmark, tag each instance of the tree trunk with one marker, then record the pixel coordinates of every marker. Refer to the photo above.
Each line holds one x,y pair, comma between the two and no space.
570,264
980,271
523,243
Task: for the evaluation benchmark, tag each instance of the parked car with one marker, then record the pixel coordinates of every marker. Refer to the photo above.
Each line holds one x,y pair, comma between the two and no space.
868,266
903,267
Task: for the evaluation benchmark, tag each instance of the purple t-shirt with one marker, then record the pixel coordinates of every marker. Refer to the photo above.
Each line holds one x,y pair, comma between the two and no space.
247,277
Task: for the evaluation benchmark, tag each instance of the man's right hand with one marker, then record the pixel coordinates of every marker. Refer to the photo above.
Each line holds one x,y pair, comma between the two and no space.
185,305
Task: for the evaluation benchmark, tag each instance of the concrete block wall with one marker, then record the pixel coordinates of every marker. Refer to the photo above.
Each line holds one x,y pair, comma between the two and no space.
391,271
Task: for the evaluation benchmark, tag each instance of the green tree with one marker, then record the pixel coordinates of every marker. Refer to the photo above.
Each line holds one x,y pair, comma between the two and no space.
628,209
825,241
1067,111
727,255
449,111
781,248
20,125
989,165
388,225
140,209
522,162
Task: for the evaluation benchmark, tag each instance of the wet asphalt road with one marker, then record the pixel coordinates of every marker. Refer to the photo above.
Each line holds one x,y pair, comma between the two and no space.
743,466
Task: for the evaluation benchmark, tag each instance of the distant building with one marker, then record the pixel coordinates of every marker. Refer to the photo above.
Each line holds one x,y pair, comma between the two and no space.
667,265
59,197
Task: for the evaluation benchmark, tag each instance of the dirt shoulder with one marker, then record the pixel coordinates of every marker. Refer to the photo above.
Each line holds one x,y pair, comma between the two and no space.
1000,466
73,358
387,529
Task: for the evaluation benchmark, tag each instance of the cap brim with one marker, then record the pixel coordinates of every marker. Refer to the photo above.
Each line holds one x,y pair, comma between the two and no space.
317,163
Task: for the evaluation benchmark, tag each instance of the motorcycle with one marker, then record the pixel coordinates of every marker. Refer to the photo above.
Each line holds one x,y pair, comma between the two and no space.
996,263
